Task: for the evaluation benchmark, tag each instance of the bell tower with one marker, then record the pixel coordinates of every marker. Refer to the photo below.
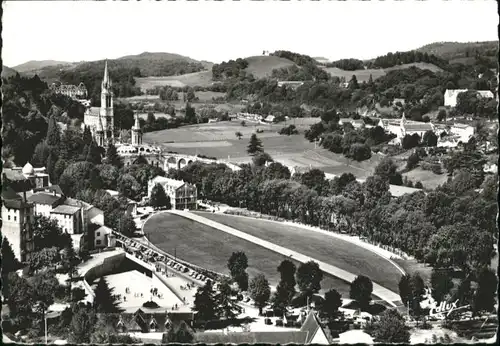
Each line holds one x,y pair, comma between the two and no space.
136,132
106,111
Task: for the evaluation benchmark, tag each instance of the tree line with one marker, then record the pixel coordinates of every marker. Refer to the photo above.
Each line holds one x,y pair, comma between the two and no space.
454,222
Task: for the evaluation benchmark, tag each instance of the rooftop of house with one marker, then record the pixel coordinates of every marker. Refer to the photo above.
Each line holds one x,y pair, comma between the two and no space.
310,326
418,127
65,209
44,198
51,188
77,203
12,200
171,182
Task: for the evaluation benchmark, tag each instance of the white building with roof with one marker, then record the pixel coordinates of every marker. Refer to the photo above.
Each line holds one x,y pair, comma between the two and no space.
68,218
37,177
182,194
463,130
405,127
104,237
451,95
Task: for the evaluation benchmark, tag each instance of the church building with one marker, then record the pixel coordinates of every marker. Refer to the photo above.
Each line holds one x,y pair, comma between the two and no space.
100,120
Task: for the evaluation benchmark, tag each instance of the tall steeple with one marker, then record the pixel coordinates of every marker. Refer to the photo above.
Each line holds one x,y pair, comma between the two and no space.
106,111
136,131
105,80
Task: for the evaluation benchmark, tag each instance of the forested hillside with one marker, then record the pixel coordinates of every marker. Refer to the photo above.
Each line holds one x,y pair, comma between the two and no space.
27,106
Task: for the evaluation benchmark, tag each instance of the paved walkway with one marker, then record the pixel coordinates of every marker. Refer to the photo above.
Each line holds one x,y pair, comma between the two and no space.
379,291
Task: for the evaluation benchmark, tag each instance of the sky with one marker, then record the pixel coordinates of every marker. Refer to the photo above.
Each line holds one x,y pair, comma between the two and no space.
219,31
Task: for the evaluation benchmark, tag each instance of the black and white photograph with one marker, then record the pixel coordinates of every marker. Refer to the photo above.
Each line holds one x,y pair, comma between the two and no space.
249,172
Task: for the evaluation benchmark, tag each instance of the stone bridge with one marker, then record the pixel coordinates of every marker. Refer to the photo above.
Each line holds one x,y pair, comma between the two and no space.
179,161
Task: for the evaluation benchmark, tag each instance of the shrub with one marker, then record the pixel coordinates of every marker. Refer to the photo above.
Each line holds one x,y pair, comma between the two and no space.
150,305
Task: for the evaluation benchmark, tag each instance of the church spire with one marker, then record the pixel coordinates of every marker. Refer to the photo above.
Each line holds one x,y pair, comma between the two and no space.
105,80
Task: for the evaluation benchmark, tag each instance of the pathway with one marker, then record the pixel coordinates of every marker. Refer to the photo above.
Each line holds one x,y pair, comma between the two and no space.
379,291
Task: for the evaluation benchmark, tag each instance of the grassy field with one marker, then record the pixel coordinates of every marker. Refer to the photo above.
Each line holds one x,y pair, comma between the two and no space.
364,75
336,252
427,178
202,78
219,140
263,66
210,248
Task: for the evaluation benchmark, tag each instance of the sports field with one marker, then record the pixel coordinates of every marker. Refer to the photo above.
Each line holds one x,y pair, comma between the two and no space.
210,248
334,251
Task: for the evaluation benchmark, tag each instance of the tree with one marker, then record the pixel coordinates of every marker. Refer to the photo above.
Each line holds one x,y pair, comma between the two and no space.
331,304
387,170
441,115
47,233
45,285
9,260
442,284
53,133
129,187
390,328
405,289
260,159
112,157
309,277
260,291
44,258
179,335
255,145
484,299
82,323
19,295
87,136
225,307
237,265
204,303
238,134
159,198
353,83
413,161
93,153
361,290
190,116
105,301
359,152
430,139
410,141
41,154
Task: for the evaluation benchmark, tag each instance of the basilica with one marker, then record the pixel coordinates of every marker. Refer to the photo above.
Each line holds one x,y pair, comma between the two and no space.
100,121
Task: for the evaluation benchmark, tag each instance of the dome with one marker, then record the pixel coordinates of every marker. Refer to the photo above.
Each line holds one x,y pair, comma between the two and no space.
28,169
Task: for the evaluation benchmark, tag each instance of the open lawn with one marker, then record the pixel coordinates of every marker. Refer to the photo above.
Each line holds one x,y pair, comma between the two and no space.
202,78
292,150
428,179
334,251
210,248
262,66
364,75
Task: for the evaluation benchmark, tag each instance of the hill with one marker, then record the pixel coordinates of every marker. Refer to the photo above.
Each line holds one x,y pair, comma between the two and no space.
364,75
33,65
262,66
8,72
457,50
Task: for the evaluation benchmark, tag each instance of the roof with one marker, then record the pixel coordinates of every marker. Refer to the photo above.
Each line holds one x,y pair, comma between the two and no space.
171,182
44,198
398,190
12,200
77,203
52,188
418,127
282,338
65,209
13,174
310,326
104,229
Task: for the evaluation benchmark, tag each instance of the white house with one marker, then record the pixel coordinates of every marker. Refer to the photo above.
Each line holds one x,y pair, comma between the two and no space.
68,218
450,95
104,237
463,130
182,195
